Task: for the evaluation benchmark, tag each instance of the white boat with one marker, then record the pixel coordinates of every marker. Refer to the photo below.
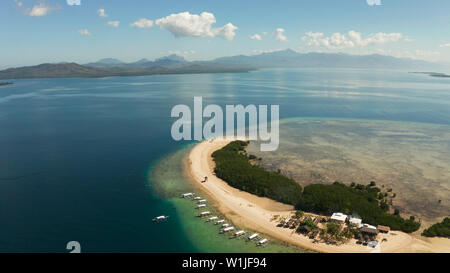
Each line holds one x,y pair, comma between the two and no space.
219,222
202,201
253,236
160,218
188,194
225,225
227,229
212,218
239,233
205,213
197,198
201,206
263,241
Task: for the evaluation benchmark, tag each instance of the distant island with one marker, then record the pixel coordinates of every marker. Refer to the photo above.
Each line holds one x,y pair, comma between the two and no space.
5,83
434,74
174,64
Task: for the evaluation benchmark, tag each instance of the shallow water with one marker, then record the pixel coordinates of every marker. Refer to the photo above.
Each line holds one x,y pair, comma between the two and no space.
169,180
408,157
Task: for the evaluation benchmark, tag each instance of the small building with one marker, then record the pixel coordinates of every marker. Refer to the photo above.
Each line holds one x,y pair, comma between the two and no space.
338,217
355,221
368,229
383,229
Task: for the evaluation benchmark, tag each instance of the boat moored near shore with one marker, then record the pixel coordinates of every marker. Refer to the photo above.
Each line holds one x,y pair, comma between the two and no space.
205,213
253,236
187,195
239,233
263,241
212,219
219,222
227,229
160,218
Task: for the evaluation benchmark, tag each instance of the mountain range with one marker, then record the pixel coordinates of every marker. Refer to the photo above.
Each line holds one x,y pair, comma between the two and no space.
174,64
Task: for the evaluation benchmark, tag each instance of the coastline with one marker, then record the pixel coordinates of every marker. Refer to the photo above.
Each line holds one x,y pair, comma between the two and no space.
255,212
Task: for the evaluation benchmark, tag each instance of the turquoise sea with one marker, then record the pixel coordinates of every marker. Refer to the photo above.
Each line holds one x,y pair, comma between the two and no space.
92,160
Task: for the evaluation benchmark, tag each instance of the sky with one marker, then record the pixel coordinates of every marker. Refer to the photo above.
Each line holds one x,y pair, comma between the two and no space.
82,31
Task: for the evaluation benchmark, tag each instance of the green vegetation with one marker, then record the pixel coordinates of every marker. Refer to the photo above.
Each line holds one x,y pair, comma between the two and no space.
362,200
333,229
233,166
299,214
309,223
439,229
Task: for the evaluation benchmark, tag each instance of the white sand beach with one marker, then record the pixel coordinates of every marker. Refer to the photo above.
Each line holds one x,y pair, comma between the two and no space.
256,213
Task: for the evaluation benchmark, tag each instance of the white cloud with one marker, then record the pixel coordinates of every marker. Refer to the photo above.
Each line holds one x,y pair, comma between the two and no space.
419,54
256,37
74,2
373,2
445,45
262,51
352,39
113,23
39,10
102,13
185,24
185,53
280,35
142,23
84,32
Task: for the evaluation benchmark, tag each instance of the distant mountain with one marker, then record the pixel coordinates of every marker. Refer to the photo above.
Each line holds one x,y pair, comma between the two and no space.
110,61
51,71
73,70
107,62
174,64
290,58
167,61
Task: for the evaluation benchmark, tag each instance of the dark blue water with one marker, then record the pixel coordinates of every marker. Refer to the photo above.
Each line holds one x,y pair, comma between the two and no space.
74,153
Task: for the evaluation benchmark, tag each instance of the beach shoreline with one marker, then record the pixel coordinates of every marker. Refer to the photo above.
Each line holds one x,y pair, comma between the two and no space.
256,213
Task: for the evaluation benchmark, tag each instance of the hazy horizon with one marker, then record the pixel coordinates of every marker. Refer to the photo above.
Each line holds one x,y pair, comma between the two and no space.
62,31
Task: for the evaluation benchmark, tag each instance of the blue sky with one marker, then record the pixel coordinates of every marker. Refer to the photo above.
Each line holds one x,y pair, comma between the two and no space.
36,31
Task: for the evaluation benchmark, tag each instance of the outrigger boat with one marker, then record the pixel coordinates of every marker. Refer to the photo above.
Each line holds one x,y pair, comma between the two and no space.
205,213
225,225
160,218
253,236
197,198
202,201
227,229
201,206
239,233
212,218
219,222
263,241
186,195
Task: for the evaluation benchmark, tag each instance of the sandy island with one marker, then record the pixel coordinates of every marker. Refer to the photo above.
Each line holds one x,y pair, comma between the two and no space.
256,213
